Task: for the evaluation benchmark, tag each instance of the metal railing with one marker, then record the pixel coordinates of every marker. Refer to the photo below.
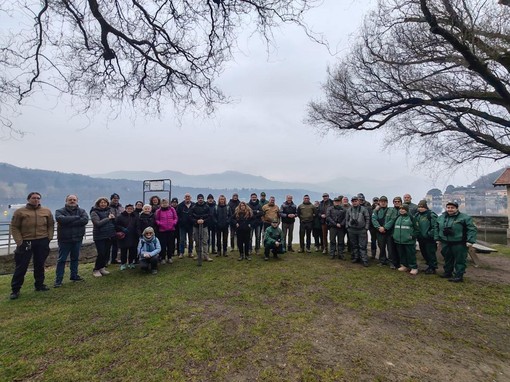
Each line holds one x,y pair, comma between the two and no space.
7,244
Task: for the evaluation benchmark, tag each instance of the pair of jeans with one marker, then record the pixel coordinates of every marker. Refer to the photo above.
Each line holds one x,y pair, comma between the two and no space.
183,233
67,249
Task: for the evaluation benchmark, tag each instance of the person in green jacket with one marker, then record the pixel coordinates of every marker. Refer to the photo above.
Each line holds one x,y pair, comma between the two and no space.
404,235
274,241
383,219
455,232
425,221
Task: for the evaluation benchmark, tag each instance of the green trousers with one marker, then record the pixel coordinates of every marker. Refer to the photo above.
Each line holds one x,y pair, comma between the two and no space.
407,253
455,258
428,250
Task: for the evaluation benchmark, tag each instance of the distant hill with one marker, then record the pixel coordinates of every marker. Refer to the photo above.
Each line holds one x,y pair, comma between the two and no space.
336,186
485,181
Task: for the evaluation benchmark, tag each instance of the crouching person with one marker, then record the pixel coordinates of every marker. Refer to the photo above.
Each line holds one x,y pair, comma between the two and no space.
148,251
274,241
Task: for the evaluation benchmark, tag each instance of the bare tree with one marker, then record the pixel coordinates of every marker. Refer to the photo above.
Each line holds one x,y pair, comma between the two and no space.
435,75
146,52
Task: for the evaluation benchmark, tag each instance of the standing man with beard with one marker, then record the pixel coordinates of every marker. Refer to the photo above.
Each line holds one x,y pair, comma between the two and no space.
211,228
288,213
233,204
357,222
256,223
185,225
71,222
306,212
201,217
323,209
32,228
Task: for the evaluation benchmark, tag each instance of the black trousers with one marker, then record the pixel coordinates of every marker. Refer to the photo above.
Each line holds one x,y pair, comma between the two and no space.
103,253
167,241
40,248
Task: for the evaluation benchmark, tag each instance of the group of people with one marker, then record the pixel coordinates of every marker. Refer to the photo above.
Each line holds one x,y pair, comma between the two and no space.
151,234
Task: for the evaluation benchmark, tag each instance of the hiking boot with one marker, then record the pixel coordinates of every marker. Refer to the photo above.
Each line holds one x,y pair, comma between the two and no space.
76,279
446,276
181,255
123,267
354,261
154,272
57,284
392,266
301,250
14,295
42,288
430,271
457,279
290,249
240,258
170,260
316,249
266,258
163,261
248,258
414,271
403,269
308,250
365,264
96,273
104,272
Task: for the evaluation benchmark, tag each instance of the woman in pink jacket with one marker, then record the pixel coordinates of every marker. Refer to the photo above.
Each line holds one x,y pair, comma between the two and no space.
166,219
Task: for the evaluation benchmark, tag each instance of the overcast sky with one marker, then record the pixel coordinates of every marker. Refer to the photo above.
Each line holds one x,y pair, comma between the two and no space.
261,132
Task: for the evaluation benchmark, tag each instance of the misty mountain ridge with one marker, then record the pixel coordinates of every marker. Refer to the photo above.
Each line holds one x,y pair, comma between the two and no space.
234,179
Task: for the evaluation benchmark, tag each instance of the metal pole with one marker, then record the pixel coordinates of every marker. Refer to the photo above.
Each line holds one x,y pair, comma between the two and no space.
199,246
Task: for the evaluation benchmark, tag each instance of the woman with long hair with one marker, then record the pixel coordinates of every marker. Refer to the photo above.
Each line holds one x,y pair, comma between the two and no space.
242,221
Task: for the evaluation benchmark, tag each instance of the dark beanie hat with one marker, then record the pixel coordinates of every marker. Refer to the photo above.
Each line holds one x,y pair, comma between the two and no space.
210,196
200,196
175,200
114,195
423,203
405,207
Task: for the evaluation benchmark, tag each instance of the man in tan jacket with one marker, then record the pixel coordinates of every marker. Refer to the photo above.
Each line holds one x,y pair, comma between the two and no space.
32,229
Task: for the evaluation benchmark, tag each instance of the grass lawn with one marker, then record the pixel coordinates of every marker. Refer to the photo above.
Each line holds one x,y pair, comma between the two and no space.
302,318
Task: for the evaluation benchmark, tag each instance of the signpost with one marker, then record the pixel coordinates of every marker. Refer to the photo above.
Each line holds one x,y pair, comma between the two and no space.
157,187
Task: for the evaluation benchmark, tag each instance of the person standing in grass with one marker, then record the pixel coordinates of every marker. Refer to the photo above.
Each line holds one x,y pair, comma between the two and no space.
71,222
148,250
166,220
455,232
126,223
306,212
242,221
103,221
404,235
222,216
425,221
32,228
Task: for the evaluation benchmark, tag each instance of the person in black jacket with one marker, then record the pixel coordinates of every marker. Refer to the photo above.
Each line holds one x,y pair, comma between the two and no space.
222,215
211,228
71,222
126,223
256,226
242,221
185,226
335,218
104,230
233,204
288,213
200,215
